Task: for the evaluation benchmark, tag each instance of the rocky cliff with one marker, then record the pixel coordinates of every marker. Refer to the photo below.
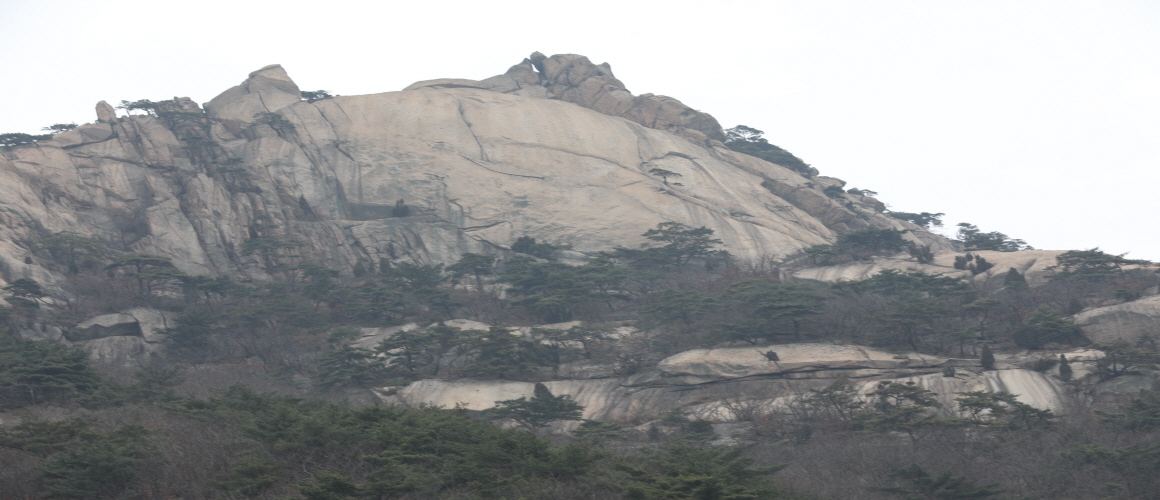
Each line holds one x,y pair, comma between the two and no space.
556,148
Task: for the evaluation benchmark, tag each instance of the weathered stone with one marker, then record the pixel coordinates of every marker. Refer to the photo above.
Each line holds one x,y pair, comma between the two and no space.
105,112
464,324
265,91
152,323
84,134
575,79
477,168
40,331
1127,321
706,365
449,83
858,271
105,325
371,337
1029,387
1032,264
125,351
149,324
736,376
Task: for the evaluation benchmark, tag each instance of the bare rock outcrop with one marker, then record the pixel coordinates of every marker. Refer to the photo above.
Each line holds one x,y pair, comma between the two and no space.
265,91
699,380
475,169
134,337
574,78
1032,264
1121,322
105,325
706,365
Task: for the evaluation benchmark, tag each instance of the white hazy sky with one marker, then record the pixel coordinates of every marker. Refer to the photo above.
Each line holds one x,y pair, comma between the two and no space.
1038,119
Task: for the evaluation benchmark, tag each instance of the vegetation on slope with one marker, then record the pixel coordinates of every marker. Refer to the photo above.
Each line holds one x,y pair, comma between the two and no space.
155,435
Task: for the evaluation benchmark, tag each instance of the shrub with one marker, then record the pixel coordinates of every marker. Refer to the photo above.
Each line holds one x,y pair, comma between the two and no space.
1045,326
749,141
861,245
401,209
924,219
33,372
1091,265
987,359
149,107
315,95
275,121
974,239
12,140
60,127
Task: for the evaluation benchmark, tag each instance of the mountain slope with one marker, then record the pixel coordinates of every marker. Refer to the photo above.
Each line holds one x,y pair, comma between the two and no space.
475,169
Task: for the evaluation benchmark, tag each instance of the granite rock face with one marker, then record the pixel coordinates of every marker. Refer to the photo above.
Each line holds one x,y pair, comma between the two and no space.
135,337
1032,264
575,79
700,380
1121,322
555,149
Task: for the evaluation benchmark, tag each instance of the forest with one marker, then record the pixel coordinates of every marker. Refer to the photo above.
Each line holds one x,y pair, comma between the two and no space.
264,394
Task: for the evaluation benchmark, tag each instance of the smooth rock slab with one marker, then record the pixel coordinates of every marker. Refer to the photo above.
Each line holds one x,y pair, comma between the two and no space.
1127,321
105,325
737,362
126,351
1030,387
149,324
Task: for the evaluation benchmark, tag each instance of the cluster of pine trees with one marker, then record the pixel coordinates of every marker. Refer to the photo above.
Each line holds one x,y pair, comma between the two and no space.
162,430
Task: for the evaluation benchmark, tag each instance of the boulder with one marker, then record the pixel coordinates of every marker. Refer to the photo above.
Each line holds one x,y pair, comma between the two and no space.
1126,321
265,91
1032,264
152,323
84,134
43,332
149,324
105,325
105,112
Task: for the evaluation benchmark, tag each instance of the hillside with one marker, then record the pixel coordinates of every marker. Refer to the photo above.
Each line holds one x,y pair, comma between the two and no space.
542,237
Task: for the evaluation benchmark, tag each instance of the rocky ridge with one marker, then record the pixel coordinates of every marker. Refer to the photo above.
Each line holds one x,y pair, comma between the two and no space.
700,380
555,148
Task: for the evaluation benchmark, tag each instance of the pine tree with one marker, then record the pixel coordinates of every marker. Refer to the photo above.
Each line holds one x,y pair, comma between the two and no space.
1064,368
1014,281
538,412
988,358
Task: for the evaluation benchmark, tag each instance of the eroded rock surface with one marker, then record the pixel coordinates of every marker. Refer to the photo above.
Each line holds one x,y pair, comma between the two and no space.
704,365
1032,264
699,380
1127,322
575,79
555,149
